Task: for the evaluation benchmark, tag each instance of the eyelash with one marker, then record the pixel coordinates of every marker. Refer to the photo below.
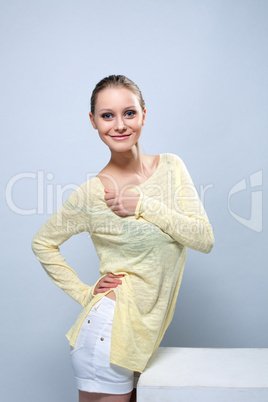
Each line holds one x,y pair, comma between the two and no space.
104,115
131,111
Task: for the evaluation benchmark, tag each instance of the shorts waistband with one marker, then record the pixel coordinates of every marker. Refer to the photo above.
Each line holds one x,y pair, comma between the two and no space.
104,307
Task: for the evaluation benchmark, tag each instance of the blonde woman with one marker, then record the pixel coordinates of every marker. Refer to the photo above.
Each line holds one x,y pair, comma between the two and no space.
142,212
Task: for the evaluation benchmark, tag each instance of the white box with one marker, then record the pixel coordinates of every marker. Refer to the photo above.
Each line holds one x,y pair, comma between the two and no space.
205,375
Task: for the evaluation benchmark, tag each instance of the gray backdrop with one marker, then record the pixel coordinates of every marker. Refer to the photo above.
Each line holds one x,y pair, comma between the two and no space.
202,67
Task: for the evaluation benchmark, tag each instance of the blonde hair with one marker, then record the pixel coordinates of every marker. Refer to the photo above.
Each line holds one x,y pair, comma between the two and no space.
115,81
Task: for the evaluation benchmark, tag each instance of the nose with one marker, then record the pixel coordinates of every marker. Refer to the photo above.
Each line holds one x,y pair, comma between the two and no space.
119,124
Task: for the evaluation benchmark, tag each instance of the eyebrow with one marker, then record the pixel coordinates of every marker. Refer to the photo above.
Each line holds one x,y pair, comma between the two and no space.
110,110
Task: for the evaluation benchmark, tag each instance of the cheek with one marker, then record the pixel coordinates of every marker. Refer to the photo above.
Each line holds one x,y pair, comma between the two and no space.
104,127
139,125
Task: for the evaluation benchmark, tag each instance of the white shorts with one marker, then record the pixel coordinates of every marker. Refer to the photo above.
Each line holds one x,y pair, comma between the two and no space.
91,356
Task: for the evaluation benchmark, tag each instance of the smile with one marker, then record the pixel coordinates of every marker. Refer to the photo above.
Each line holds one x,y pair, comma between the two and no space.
120,137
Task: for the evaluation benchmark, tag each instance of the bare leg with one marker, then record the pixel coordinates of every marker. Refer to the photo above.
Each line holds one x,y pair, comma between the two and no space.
96,397
133,395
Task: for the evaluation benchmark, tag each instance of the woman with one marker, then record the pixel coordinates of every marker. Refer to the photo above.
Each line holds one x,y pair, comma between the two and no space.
142,212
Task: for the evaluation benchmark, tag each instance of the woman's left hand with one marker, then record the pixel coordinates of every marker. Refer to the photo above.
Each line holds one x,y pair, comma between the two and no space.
122,203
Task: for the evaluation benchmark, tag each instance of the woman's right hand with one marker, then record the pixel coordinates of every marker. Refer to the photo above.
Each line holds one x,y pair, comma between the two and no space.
107,282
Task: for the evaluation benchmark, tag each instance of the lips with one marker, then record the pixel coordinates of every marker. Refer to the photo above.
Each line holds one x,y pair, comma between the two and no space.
120,137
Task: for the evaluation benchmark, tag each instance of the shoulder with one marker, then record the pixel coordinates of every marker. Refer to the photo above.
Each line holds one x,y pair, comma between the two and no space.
177,165
90,185
84,193
173,159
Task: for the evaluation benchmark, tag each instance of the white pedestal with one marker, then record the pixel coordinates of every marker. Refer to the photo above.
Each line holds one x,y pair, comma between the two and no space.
205,375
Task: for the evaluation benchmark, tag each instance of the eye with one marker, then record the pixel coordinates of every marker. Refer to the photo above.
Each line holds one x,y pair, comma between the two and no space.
106,116
130,113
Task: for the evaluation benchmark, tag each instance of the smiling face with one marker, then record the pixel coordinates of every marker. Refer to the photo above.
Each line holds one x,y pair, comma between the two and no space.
118,117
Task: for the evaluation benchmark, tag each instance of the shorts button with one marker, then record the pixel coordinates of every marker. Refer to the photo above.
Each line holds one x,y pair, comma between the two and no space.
88,321
102,339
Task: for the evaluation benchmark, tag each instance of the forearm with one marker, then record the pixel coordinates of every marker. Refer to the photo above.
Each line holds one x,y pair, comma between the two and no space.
191,231
59,271
68,220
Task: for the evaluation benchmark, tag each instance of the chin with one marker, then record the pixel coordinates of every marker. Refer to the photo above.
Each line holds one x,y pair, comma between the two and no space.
121,146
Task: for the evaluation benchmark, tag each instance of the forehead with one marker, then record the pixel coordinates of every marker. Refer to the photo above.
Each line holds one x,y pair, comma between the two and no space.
116,97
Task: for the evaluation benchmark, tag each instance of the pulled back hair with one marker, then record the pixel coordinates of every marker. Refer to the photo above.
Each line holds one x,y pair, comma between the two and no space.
114,81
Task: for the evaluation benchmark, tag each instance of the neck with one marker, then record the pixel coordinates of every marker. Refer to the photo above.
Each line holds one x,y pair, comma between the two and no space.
131,162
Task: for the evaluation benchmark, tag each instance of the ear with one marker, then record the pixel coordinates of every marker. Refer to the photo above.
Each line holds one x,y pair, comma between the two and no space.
143,117
92,120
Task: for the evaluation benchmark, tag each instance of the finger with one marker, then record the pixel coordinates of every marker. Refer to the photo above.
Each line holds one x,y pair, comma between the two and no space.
113,207
119,211
104,285
109,197
111,282
110,285
107,287
115,275
111,202
109,193
110,278
102,290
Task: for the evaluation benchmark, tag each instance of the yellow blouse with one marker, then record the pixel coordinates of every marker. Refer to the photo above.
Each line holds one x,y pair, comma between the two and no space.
149,248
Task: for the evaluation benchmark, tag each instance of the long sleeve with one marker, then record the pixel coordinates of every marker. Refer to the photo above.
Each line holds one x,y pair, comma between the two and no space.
71,218
186,222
